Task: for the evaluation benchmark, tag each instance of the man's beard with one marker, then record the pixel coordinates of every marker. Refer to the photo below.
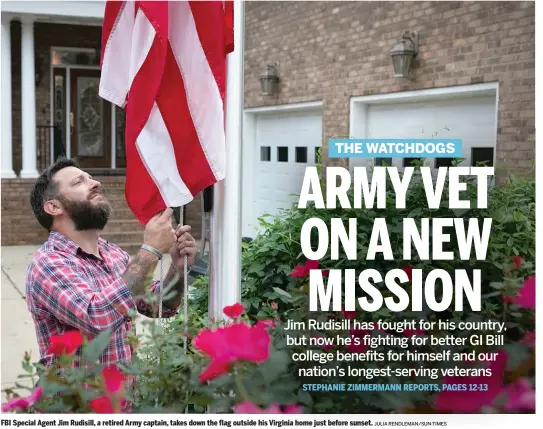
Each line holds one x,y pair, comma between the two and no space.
85,215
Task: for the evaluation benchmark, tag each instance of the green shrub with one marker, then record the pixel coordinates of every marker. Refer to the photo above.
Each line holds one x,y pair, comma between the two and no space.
168,378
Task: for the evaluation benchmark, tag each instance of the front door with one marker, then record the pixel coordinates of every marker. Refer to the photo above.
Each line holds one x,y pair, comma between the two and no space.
90,120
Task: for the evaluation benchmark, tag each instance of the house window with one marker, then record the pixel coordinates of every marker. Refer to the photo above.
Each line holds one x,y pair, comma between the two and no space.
482,155
301,154
444,162
380,162
75,57
409,162
282,154
265,153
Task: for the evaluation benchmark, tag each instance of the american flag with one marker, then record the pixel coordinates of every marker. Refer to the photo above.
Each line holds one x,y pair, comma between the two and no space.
164,62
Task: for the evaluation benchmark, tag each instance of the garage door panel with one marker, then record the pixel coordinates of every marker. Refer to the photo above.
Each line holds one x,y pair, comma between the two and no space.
472,119
277,183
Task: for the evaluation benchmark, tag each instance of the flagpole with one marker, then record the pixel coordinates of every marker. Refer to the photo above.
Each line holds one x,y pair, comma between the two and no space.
225,228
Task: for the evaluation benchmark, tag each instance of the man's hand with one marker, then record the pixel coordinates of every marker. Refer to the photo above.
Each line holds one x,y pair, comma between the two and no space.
185,245
159,232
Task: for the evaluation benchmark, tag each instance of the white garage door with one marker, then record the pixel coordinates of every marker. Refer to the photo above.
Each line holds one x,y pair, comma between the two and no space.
470,118
285,144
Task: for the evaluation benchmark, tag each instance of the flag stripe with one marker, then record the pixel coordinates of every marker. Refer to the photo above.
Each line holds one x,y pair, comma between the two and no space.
189,155
207,20
157,152
142,193
112,14
200,84
144,36
118,23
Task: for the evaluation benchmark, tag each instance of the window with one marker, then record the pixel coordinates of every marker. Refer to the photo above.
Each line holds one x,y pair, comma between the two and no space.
301,154
75,57
444,162
482,155
282,153
408,162
380,162
265,153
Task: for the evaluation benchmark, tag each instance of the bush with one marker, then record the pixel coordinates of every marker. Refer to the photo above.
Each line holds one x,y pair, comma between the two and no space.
251,363
268,261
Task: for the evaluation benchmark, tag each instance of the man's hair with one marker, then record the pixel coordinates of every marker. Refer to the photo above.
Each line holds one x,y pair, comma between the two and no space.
45,189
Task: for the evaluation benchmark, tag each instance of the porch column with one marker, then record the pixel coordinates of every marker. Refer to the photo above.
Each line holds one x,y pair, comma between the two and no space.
28,99
7,146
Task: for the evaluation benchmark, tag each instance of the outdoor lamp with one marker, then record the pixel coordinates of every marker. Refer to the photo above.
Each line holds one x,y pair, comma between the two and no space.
404,52
269,80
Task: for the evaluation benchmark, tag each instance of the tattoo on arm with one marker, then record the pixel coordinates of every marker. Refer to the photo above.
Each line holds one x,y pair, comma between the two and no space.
178,287
139,275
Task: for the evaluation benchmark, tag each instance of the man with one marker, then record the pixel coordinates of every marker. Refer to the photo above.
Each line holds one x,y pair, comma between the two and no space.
79,281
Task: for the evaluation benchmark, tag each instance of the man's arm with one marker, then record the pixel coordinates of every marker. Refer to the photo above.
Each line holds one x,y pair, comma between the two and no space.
62,289
170,305
139,274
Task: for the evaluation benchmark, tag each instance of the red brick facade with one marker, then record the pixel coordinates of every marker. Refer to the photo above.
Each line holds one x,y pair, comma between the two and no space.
333,51
19,226
330,51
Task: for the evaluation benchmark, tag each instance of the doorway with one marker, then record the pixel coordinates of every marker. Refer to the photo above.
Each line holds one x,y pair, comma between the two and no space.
90,120
85,126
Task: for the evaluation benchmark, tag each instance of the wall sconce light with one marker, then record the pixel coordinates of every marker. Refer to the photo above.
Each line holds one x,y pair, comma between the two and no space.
404,52
269,80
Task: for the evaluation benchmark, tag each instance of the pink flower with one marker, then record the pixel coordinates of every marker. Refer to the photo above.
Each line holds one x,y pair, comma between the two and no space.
409,271
348,314
517,260
101,405
105,405
21,404
65,344
520,396
529,339
411,332
113,380
273,305
112,402
358,334
473,401
526,298
303,270
247,407
508,299
266,323
231,343
234,311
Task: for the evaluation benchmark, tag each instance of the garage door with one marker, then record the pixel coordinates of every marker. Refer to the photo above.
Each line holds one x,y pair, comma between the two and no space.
286,143
470,118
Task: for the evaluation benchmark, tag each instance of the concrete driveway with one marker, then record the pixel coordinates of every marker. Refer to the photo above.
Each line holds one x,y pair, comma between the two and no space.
17,329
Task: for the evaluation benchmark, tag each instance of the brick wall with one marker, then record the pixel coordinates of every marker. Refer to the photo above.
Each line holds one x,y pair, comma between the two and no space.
19,226
332,51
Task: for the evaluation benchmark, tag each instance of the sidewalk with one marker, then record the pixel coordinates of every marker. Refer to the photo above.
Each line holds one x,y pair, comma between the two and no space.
17,329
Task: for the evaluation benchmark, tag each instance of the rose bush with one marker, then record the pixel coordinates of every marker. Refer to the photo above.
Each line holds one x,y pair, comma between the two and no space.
275,273
244,364
234,365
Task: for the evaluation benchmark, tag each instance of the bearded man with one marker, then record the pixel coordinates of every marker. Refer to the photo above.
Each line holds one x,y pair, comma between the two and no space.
79,281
